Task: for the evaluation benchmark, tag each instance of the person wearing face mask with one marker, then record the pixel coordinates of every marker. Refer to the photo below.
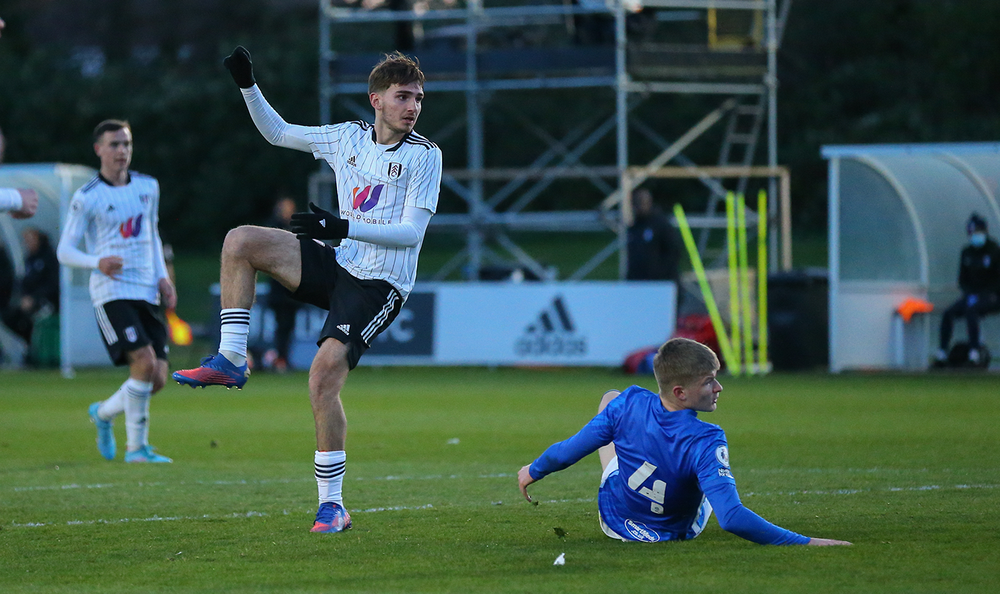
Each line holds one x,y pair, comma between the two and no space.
979,280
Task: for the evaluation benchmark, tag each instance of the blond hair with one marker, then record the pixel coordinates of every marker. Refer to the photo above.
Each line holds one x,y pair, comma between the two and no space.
679,361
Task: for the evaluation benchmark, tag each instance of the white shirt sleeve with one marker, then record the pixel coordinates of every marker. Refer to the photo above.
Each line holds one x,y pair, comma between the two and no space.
159,263
10,199
424,186
68,252
272,126
409,232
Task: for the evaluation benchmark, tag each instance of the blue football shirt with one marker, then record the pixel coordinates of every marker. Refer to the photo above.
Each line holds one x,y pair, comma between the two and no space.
668,464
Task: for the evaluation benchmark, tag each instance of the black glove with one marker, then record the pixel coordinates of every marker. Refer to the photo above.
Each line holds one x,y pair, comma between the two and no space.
239,65
319,224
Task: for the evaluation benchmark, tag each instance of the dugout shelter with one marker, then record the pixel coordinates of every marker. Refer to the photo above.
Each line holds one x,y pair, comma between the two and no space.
897,217
80,343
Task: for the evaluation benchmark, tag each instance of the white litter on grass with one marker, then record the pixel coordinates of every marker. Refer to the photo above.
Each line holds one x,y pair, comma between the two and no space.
452,441
560,560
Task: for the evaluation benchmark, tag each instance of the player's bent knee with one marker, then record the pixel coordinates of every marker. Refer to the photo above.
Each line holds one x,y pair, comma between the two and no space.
607,398
238,240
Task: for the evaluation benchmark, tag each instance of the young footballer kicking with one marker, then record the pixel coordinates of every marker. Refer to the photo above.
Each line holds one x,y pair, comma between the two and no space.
665,470
117,215
388,180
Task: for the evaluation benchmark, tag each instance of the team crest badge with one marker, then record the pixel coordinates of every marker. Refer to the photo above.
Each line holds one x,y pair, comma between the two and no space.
395,170
722,455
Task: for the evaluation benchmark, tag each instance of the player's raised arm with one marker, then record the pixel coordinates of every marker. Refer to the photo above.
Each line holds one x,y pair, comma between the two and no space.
271,125
323,224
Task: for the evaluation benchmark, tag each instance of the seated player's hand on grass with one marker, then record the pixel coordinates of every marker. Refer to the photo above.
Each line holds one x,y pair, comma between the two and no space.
826,542
523,480
239,65
319,224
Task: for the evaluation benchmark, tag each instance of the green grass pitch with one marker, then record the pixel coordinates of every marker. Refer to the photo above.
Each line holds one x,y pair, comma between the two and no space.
906,467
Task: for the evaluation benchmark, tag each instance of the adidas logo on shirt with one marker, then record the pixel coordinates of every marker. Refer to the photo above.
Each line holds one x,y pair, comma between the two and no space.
352,162
345,328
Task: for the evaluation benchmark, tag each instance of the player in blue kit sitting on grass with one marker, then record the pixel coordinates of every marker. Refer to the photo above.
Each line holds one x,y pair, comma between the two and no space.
665,470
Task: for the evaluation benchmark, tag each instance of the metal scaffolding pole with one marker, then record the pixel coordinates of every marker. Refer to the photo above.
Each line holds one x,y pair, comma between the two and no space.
468,59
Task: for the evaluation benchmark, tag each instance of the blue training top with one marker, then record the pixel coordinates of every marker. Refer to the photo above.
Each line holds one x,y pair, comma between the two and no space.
668,463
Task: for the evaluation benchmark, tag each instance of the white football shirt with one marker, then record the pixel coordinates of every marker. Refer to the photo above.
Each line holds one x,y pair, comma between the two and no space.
117,221
374,183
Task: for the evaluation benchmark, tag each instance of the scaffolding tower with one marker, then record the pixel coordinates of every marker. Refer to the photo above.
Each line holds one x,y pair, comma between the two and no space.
484,51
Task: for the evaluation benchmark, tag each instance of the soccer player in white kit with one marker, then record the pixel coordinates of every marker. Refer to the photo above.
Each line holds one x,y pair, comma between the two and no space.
388,180
116,214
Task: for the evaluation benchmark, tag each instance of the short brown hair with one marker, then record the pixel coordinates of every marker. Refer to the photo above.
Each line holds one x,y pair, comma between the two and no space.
394,69
110,126
681,361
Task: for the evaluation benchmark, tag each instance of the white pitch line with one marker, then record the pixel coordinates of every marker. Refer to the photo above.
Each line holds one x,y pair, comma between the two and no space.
252,514
249,514
73,486
857,491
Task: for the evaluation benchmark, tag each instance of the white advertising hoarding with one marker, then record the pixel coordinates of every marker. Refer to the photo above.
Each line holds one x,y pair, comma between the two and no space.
584,323
495,323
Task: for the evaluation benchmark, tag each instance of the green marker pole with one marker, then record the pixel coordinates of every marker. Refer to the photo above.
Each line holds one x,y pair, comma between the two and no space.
734,282
762,219
741,231
706,290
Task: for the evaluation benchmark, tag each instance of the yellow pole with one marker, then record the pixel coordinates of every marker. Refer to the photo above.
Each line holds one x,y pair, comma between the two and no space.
706,290
762,220
741,231
734,281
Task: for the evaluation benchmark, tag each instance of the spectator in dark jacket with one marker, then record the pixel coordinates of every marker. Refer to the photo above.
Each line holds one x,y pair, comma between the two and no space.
39,292
979,280
653,242
280,299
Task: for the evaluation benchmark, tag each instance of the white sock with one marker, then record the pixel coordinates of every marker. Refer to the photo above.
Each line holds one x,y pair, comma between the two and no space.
137,395
235,329
113,406
330,475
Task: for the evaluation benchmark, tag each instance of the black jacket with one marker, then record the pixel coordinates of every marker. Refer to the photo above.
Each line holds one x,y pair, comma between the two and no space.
979,270
41,276
654,248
